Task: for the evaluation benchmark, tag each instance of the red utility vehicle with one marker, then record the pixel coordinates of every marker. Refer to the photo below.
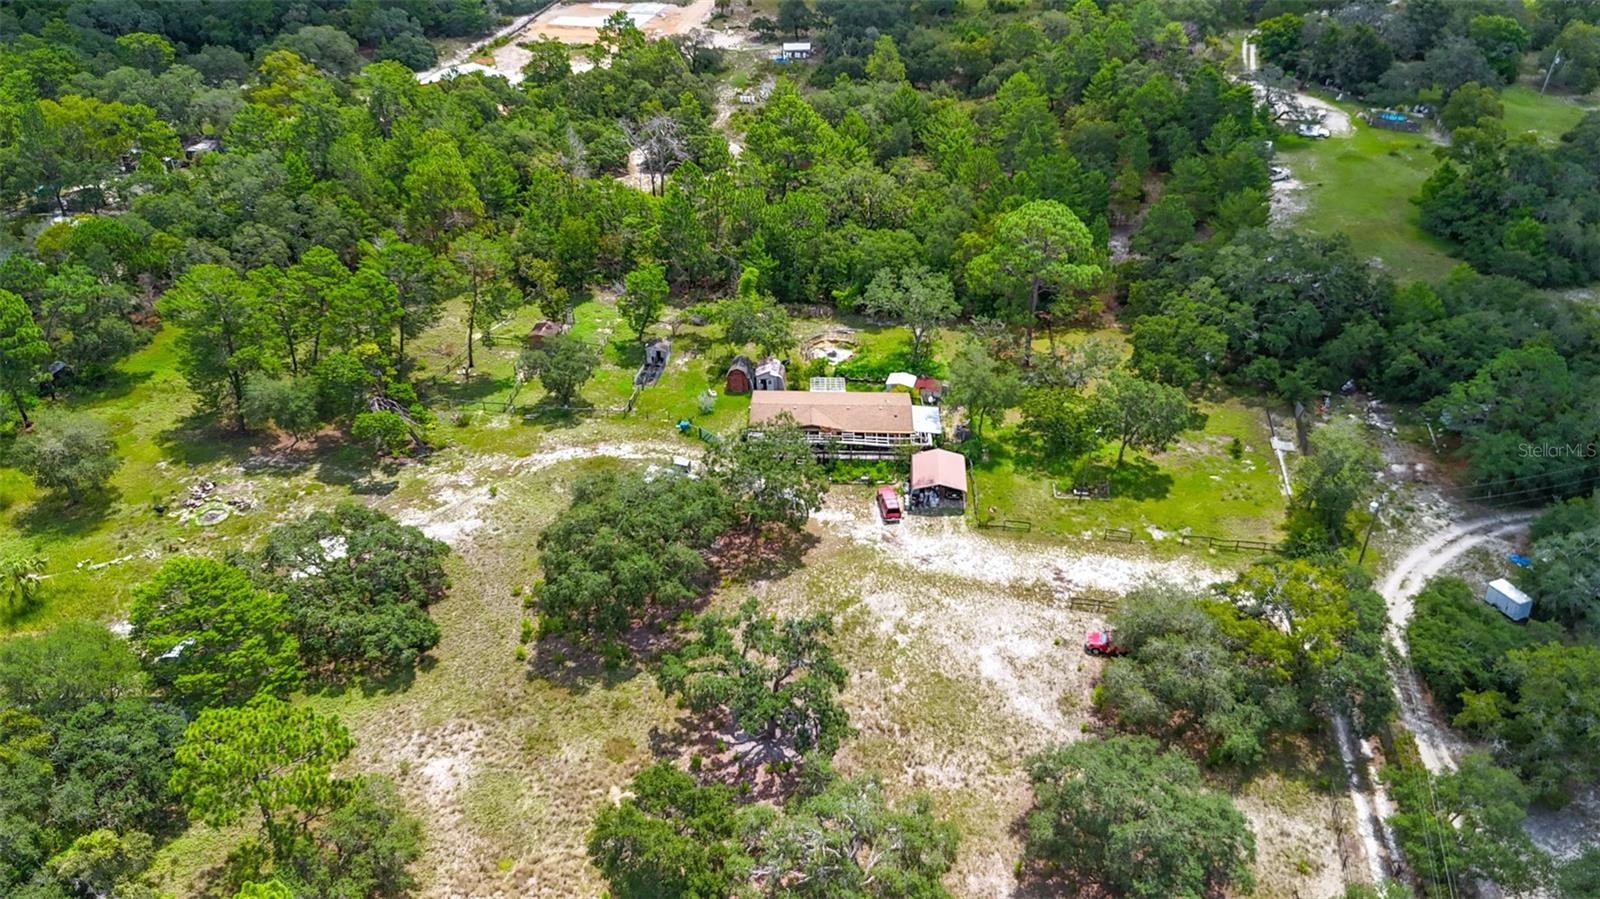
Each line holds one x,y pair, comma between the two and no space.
888,504
1099,643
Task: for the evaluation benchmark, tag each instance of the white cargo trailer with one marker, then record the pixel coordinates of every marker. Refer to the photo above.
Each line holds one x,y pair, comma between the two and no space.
1513,603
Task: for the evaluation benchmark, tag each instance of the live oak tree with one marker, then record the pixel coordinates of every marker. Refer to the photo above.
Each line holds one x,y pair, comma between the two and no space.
1041,247
384,431
357,586
1565,579
840,839
1579,45
1581,876
982,385
1142,414
1295,622
23,352
751,316
918,298
644,295
112,761
289,405
563,363
1458,643
670,837
775,679
52,675
209,637
848,840
1470,103
1057,420
1177,347
1336,475
1284,645
1547,730
1465,825
85,755
626,549
1182,680
1502,40
69,453
104,862
1125,815
771,478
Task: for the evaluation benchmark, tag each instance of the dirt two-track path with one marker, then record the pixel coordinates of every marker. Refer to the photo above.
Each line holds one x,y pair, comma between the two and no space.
1438,746
1436,743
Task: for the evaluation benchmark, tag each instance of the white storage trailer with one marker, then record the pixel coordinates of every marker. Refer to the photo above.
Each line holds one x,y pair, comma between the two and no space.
1513,603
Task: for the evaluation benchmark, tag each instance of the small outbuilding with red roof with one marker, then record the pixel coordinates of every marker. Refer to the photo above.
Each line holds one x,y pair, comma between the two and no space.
938,481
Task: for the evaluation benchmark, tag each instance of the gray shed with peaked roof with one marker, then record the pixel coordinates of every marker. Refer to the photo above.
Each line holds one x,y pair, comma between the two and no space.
769,376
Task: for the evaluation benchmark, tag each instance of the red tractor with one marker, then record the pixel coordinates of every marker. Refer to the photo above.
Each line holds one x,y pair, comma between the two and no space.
1099,643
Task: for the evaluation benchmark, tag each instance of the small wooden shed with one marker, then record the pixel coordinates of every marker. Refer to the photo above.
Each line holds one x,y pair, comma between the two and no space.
741,376
541,331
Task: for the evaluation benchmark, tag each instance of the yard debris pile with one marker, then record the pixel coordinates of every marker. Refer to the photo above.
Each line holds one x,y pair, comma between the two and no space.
206,503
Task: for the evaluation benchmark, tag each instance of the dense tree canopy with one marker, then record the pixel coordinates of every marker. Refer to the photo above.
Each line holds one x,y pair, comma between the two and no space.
86,750
671,837
357,587
771,478
625,549
1123,814
1466,825
842,838
69,453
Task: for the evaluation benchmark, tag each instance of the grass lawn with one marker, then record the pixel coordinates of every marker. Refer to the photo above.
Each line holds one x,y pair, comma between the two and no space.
1196,485
1551,115
1362,186
96,552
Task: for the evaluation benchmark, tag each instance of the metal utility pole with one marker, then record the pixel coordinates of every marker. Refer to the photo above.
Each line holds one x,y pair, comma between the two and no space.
1373,508
1551,71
